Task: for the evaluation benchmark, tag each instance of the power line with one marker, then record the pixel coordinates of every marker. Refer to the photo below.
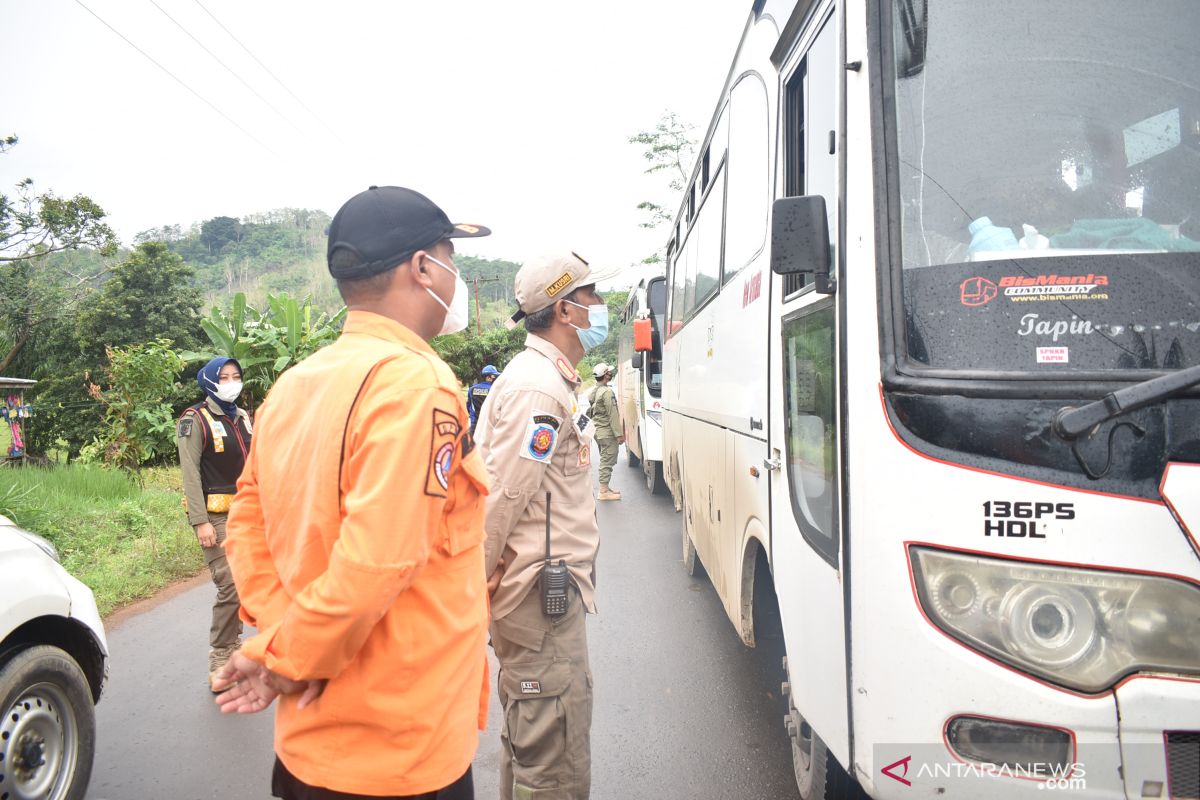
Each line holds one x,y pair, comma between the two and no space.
230,69
178,80
267,70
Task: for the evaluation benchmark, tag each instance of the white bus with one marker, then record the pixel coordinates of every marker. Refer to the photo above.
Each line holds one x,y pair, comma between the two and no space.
868,388
639,378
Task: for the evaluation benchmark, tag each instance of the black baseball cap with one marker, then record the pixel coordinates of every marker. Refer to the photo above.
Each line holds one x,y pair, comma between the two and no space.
385,225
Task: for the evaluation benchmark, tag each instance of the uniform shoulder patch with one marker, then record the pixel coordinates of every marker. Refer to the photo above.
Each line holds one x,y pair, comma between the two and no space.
184,428
566,370
443,437
540,437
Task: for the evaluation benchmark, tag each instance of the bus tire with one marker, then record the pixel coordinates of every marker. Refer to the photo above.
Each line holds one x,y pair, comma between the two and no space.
819,776
691,561
654,477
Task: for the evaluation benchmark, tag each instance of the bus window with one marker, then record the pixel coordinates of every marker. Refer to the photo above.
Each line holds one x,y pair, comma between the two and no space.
749,179
707,233
809,384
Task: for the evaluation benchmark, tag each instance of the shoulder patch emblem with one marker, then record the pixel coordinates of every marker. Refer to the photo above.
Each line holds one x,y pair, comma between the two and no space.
184,428
443,438
540,437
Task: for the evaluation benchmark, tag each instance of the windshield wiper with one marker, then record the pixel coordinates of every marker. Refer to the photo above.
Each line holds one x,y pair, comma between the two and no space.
1071,423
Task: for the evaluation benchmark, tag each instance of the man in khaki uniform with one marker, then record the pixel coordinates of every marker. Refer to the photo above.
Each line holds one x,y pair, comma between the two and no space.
535,440
602,407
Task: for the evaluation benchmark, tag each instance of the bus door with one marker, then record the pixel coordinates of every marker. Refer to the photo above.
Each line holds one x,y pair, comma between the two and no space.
804,434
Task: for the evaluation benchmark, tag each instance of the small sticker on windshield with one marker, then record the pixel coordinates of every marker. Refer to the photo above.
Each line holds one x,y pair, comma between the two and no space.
1052,355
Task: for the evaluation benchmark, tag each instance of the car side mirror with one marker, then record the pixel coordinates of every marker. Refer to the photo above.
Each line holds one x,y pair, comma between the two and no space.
800,240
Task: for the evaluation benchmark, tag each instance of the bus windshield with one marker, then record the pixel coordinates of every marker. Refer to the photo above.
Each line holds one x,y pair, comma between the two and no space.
1048,156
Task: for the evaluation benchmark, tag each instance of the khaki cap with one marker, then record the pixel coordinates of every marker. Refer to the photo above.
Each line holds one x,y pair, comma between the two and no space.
549,278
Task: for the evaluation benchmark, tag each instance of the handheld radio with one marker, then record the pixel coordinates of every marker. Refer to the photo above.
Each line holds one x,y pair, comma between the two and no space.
554,578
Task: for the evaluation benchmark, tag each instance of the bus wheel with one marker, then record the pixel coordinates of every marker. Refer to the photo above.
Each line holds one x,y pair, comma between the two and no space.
654,477
691,561
819,776
630,458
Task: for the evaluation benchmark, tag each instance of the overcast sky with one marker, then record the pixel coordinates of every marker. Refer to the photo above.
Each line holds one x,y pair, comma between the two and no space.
512,115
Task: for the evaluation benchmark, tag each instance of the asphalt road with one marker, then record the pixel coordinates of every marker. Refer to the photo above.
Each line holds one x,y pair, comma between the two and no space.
682,709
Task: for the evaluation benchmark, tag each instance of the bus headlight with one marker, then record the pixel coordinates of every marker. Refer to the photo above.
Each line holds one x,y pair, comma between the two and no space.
1081,628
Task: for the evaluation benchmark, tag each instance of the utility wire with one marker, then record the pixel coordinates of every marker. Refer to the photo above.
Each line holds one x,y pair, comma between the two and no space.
267,70
228,68
178,80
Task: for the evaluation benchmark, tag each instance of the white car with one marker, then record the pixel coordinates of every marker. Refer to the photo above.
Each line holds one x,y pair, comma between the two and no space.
53,661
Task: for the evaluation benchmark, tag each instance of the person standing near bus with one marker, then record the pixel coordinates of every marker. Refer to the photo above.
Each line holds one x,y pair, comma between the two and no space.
213,439
357,536
479,392
536,442
609,436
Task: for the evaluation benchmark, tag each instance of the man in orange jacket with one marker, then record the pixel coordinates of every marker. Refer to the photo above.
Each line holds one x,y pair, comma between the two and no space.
356,535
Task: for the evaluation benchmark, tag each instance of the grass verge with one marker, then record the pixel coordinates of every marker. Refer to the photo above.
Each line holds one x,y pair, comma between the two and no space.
123,540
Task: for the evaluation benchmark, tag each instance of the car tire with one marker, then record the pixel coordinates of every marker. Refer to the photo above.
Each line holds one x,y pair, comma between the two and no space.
48,728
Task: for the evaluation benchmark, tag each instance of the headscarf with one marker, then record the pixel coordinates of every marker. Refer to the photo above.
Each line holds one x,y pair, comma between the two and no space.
209,379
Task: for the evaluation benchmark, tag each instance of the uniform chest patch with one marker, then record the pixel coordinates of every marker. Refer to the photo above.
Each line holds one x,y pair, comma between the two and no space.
540,437
531,687
585,455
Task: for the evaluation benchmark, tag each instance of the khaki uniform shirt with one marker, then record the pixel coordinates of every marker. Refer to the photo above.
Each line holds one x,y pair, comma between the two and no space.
603,411
191,448
535,439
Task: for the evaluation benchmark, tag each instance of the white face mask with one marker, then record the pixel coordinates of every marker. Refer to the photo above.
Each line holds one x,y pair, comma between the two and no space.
456,312
229,391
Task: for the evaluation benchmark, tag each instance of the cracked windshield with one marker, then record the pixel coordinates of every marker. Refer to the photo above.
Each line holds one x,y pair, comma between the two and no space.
1049,186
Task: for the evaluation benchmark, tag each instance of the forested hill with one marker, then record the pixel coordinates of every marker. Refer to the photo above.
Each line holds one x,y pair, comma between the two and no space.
284,251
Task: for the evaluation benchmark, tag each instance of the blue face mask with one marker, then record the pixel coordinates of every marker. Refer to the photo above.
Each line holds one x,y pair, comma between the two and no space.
598,319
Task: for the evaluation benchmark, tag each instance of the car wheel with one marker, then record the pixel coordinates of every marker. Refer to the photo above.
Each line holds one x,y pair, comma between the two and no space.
48,729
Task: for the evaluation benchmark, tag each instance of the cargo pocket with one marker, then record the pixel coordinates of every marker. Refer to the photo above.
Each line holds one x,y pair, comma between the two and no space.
535,711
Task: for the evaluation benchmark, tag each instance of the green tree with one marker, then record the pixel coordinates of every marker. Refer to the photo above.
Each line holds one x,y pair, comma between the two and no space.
670,149
267,342
139,405
468,352
32,227
217,232
149,295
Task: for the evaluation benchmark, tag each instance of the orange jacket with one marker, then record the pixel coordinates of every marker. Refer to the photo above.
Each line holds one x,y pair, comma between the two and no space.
355,541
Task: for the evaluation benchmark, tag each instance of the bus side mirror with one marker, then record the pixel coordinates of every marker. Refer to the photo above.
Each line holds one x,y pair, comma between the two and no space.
800,239
636,360
643,338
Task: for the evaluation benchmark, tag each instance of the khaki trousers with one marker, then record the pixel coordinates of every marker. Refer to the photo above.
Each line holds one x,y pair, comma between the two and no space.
226,627
545,689
608,458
